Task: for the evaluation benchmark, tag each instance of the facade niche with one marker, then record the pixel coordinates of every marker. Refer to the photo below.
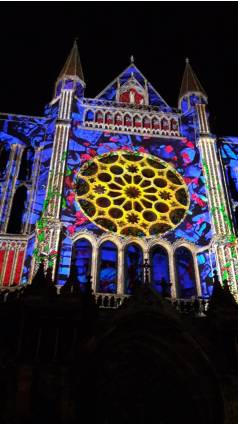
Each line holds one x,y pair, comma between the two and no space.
133,267
160,278
26,166
108,265
184,265
4,158
17,211
82,254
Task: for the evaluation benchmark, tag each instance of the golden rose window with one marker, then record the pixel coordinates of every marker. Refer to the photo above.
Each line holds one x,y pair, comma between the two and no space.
131,193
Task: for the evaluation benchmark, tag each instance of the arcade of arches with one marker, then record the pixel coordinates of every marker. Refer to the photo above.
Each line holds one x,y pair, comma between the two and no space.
111,264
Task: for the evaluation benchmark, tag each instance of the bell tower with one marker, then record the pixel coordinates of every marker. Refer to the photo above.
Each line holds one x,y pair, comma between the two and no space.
193,99
70,83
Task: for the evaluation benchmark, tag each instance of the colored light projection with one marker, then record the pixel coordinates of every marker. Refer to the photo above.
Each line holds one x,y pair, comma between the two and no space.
181,154
206,265
131,193
82,255
133,267
25,173
154,98
185,273
108,268
160,278
229,154
21,141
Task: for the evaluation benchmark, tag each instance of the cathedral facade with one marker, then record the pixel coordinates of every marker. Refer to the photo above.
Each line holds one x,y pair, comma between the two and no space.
111,183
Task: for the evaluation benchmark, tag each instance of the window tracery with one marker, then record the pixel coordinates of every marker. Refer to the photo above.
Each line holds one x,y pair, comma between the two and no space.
132,194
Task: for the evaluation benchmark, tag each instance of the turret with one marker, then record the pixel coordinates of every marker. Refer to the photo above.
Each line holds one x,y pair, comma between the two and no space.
71,76
191,92
70,83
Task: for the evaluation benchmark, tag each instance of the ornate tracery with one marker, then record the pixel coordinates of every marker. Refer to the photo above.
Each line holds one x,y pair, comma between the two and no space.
132,194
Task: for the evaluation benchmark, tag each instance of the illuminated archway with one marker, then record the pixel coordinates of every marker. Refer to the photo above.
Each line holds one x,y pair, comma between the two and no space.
133,270
107,270
4,158
185,273
17,211
160,278
82,257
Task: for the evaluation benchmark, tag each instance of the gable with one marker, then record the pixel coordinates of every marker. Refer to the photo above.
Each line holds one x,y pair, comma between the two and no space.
154,98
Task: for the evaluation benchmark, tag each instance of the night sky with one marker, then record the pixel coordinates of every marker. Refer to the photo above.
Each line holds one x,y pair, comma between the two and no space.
37,37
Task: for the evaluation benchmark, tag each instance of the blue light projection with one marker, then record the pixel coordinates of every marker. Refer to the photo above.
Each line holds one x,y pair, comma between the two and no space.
229,153
185,273
24,172
133,267
154,97
108,268
182,154
82,255
206,266
160,270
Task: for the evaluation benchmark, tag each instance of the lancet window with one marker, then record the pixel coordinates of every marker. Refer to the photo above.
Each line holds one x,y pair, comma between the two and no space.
133,267
184,265
4,158
17,211
108,262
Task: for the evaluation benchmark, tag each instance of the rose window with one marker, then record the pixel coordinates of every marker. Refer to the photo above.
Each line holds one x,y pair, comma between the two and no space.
132,193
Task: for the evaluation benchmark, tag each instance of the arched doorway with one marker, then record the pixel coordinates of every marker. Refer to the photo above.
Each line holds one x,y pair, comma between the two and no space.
160,278
133,267
82,258
184,265
17,211
107,274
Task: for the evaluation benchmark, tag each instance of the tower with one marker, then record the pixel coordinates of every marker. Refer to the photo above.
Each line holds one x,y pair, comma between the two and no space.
70,83
193,100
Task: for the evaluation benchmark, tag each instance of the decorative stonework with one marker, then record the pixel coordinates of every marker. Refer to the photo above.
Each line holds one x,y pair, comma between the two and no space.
132,194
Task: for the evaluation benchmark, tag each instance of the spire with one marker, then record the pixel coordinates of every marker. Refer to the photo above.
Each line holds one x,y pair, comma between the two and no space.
72,67
190,83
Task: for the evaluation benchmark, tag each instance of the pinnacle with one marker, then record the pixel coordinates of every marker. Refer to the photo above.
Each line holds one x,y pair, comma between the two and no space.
190,82
72,67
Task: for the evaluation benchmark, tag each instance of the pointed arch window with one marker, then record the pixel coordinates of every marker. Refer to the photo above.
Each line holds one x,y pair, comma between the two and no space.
108,118
128,121
133,267
4,158
186,284
82,257
15,222
164,124
89,116
155,124
107,276
118,119
99,117
174,125
146,122
26,166
160,277
137,121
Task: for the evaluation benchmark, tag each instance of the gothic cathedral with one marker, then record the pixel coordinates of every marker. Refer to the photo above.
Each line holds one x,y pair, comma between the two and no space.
112,183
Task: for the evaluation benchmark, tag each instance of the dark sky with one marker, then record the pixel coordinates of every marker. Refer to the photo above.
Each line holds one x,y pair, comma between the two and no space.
37,37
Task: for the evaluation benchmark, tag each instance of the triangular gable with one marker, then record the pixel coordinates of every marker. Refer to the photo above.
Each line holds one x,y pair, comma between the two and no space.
109,93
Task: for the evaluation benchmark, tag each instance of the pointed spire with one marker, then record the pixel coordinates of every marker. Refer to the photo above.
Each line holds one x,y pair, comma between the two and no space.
132,59
72,67
190,83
